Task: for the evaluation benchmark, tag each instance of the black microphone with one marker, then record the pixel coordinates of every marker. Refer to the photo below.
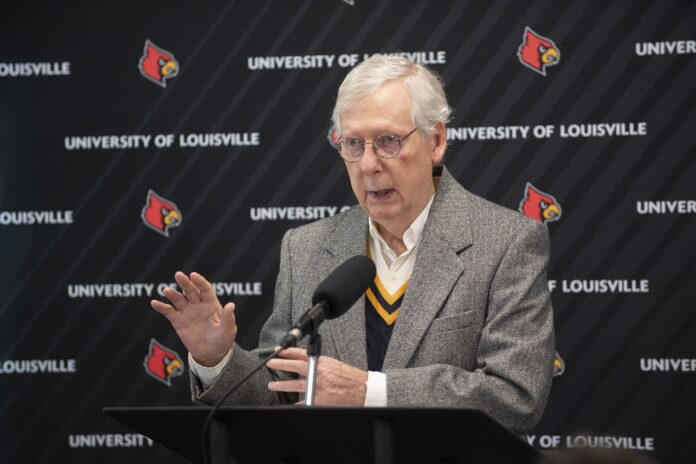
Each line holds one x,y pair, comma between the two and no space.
334,296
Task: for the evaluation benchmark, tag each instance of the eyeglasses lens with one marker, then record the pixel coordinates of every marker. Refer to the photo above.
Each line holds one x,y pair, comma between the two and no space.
386,146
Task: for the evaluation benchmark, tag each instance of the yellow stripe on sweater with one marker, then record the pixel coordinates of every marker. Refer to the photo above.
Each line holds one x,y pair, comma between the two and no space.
388,318
390,297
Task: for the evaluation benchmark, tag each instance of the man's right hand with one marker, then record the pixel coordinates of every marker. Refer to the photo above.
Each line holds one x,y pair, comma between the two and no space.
206,328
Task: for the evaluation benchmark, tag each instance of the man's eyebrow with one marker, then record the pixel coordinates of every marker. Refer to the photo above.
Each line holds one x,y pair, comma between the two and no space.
378,133
351,136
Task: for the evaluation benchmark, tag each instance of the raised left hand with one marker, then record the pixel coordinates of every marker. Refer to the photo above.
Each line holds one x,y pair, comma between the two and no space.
338,384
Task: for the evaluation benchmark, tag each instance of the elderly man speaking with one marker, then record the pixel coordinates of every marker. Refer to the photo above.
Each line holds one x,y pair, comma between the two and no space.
459,313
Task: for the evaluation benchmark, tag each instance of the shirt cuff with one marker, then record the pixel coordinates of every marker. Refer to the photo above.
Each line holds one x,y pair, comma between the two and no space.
208,375
376,395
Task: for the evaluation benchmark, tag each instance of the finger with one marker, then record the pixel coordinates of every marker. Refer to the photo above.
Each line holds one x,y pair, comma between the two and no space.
205,288
165,309
177,299
288,365
190,290
288,385
294,353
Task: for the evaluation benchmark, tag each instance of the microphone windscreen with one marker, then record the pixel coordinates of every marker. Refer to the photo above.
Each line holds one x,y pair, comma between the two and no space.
345,285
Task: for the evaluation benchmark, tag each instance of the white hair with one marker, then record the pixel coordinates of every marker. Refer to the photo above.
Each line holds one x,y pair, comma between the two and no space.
428,101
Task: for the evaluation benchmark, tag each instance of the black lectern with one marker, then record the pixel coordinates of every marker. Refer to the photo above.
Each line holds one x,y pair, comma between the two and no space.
318,435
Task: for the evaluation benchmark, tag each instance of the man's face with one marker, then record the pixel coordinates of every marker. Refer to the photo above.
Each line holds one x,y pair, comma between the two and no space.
391,191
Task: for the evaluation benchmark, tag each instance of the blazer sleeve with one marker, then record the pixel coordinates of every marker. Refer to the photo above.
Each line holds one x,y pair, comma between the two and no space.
514,362
255,390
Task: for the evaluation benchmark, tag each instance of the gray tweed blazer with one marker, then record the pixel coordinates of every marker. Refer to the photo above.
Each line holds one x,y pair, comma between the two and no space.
476,324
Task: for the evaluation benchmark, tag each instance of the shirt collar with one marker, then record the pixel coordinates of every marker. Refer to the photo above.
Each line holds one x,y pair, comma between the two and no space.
412,235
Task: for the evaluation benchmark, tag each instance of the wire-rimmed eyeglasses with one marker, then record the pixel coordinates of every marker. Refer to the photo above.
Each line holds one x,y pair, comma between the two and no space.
386,146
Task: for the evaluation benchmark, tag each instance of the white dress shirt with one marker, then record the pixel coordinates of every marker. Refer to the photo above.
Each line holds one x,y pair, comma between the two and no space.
393,271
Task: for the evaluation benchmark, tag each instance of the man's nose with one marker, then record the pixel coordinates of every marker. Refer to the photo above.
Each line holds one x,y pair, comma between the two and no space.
370,161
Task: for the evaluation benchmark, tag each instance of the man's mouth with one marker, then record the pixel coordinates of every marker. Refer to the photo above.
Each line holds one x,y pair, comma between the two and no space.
382,194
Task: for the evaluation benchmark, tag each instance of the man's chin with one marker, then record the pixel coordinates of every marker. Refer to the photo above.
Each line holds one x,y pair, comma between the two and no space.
381,212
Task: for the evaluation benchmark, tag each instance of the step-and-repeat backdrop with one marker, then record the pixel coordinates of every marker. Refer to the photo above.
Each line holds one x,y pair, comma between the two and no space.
142,138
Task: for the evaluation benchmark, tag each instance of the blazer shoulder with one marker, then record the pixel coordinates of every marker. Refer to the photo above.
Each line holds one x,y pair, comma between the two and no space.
319,233
492,220
499,213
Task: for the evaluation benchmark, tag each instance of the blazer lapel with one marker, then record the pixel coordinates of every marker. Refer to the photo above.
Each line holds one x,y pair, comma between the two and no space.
348,331
436,270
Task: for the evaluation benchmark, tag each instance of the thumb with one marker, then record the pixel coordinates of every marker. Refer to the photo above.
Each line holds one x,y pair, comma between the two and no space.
228,314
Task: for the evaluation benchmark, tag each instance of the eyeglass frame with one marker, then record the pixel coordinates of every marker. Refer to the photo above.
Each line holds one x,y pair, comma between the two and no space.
337,146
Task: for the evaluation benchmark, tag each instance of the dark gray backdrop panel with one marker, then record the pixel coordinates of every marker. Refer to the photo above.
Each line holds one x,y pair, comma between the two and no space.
598,182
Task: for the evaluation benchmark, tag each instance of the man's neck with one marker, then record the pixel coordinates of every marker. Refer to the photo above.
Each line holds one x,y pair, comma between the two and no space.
393,233
395,241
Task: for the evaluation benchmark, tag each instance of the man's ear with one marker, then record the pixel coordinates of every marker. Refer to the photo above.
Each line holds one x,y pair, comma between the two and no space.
439,138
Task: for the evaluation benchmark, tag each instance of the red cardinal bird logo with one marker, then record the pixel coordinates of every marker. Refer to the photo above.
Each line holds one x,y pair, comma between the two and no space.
157,64
160,214
538,52
332,137
539,205
558,365
163,363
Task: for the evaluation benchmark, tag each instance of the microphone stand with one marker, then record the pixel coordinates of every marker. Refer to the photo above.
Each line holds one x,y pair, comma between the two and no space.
313,352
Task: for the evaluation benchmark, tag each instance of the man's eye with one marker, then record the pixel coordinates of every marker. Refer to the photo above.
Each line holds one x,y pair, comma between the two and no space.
389,139
353,143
